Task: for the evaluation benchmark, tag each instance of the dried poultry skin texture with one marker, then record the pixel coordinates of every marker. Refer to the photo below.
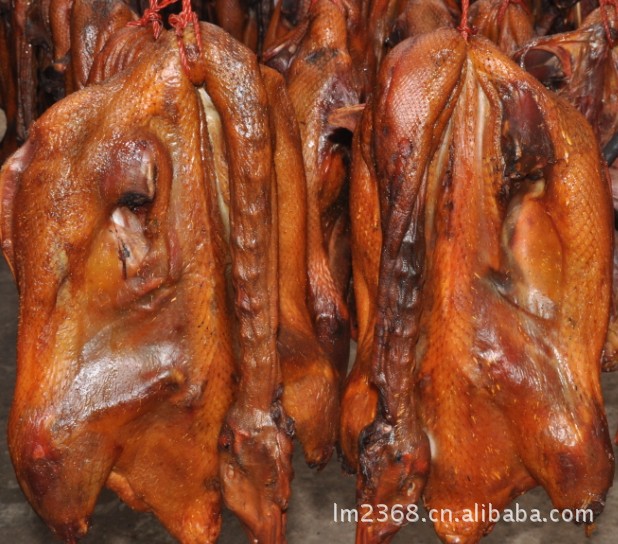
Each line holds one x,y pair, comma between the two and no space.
385,23
494,289
358,405
320,78
111,225
510,27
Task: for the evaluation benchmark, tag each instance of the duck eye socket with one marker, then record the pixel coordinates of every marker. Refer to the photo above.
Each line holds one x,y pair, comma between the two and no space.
134,201
130,179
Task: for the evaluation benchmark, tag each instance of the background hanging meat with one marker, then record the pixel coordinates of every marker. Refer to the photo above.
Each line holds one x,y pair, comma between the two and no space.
467,184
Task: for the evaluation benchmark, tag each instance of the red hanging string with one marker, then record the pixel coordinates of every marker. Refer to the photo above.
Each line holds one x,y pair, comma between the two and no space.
464,27
152,16
179,23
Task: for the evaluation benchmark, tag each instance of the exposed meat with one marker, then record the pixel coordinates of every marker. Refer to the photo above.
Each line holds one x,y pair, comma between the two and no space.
111,224
496,236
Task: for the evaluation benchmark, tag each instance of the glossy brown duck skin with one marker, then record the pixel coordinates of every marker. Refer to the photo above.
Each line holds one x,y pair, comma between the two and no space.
246,20
550,360
27,23
310,385
114,248
320,78
509,26
385,23
419,17
310,382
580,66
256,439
394,450
503,243
92,25
359,401
61,36
286,18
60,28
237,18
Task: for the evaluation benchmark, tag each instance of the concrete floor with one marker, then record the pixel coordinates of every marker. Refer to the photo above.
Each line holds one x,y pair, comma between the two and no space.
311,511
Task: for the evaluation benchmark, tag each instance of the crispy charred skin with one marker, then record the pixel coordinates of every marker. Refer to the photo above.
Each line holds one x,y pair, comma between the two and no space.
507,23
580,66
486,227
135,396
320,78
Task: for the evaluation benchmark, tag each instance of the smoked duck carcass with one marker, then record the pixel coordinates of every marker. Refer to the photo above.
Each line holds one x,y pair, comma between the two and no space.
120,221
359,399
384,23
315,61
53,46
493,289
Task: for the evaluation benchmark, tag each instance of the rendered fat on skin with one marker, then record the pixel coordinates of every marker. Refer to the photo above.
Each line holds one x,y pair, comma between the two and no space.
111,224
493,290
